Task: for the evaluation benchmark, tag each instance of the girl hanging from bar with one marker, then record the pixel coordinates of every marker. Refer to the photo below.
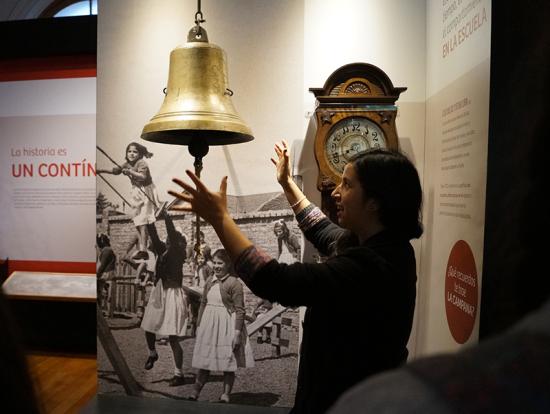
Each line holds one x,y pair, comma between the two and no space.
144,198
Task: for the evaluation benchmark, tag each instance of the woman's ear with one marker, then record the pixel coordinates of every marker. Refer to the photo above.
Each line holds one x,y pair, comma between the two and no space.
372,204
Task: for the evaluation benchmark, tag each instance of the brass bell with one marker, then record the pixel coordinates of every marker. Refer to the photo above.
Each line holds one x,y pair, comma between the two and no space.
197,106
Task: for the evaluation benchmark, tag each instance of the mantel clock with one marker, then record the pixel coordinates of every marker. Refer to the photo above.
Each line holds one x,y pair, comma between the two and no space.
355,111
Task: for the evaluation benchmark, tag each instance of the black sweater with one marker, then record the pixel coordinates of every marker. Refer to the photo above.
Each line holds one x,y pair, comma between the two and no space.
360,306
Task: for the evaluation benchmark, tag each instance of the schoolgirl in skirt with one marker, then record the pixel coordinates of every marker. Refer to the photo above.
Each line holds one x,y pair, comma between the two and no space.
221,343
144,198
166,311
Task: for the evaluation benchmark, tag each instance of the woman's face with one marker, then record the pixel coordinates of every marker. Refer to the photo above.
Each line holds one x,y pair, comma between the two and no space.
350,200
132,154
220,267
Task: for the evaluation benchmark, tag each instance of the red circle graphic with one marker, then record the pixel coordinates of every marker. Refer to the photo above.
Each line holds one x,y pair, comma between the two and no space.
461,291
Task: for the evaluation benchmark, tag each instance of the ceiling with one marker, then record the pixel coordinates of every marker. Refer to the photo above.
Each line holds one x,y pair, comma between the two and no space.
22,9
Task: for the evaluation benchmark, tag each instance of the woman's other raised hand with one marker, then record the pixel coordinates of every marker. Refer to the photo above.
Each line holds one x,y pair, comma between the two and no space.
282,162
210,205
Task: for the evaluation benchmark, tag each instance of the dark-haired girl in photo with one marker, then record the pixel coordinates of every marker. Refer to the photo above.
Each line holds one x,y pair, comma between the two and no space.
221,343
367,281
144,196
166,310
288,245
106,262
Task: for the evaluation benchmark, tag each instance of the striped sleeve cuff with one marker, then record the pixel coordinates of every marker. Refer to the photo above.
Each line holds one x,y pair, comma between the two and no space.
309,217
250,261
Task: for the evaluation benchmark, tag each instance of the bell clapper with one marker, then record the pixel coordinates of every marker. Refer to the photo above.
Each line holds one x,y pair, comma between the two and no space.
198,148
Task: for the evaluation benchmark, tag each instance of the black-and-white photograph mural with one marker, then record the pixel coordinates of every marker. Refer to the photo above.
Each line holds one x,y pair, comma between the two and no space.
179,323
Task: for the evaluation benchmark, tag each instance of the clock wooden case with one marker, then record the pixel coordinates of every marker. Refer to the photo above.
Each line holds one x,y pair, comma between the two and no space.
355,111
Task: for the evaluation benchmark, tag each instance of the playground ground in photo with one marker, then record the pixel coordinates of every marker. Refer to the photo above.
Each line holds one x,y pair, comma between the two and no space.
271,382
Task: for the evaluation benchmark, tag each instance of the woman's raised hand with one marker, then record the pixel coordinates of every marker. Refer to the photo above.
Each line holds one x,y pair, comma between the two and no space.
282,162
210,205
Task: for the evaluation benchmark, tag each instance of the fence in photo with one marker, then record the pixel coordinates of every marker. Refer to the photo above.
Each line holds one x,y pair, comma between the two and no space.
121,294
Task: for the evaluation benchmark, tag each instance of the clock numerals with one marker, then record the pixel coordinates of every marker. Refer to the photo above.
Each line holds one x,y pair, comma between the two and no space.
350,137
352,127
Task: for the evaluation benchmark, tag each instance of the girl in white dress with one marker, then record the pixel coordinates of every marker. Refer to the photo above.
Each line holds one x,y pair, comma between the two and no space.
166,311
144,198
287,243
221,343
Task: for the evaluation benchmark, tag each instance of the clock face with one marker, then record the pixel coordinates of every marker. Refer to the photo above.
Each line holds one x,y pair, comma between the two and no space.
349,137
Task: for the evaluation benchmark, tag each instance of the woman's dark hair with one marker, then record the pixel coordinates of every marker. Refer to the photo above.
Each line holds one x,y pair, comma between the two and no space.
141,149
392,180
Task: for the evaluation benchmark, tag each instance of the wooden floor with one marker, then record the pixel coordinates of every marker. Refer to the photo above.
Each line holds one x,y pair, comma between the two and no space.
64,383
